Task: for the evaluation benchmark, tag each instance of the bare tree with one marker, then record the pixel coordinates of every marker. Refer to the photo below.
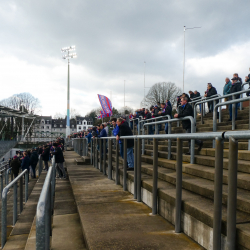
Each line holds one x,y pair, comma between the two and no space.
160,92
125,110
31,103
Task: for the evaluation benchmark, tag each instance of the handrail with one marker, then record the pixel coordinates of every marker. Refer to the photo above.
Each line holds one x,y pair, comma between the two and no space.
205,97
44,209
4,202
217,98
233,111
193,130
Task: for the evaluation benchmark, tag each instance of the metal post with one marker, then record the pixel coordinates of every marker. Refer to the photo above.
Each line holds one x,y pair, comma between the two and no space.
104,156
100,155
117,176
135,168
96,154
26,186
192,148
178,198
233,114
155,175
91,152
169,141
110,159
21,194
232,194
143,141
4,221
139,127
218,183
14,204
124,165
220,114
133,127
139,141
201,113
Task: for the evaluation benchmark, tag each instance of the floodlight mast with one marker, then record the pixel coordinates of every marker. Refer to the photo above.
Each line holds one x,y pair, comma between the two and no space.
68,56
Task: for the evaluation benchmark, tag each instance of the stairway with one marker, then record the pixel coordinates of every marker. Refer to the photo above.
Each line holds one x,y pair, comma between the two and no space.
198,183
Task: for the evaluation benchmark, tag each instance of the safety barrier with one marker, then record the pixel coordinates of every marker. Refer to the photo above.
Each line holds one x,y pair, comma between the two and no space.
44,210
4,202
214,102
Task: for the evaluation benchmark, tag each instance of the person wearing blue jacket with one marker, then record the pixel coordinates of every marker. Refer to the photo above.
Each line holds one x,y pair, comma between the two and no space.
103,133
26,163
115,132
226,89
89,136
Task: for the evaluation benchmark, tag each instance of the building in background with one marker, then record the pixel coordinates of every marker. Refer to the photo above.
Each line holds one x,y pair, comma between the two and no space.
83,123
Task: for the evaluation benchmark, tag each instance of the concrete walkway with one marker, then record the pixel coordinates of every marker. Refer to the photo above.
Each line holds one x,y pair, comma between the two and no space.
112,219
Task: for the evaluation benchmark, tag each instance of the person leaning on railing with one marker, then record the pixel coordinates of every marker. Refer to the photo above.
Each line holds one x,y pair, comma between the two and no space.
209,93
185,109
124,130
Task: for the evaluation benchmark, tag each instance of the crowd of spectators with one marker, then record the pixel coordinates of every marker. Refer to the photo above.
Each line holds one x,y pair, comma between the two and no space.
122,126
28,159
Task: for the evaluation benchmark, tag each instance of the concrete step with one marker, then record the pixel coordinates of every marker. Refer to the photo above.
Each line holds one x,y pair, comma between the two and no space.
202,186
243,166
197,211
131,227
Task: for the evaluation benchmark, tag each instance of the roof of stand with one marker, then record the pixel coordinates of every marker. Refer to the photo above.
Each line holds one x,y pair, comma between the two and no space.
8,112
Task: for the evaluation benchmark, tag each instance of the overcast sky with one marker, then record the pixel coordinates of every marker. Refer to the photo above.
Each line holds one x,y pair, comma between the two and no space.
113,38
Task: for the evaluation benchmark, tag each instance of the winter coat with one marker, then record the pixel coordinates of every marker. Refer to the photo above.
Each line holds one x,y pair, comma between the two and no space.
115,130
212,91
33,158
89,136
227,87
125,130
148,116
197,95
235,88
15,166
25,163
103,133
45,154
187,110
58,155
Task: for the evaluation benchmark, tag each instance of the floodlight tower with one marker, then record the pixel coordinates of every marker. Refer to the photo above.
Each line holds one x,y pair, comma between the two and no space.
68,56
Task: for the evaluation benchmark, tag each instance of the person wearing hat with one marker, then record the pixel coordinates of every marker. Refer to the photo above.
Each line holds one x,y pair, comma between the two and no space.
236,86
15,166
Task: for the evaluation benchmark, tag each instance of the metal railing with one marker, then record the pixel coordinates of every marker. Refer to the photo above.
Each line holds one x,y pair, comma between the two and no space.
44,210
219,138
4,202
214,102
193,130
233,111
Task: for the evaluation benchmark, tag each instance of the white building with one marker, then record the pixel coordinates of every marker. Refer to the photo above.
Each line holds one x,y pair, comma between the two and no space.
83,123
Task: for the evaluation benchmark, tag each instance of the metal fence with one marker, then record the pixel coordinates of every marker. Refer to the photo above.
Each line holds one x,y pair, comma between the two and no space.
4,202
219,138
44,210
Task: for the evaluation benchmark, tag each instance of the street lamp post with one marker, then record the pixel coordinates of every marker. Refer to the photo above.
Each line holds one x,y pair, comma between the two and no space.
68,56
184,51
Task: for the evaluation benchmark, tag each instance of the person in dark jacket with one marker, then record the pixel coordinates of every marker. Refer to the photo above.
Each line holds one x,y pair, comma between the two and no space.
210,92
15,166
26,163
45,157
165,110
197,94
146,117
191,94
33,162
59,159
186,110
236,86
125,130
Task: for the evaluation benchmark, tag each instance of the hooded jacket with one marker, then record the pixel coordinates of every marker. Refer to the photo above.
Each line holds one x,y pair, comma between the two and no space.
184,111
125,130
